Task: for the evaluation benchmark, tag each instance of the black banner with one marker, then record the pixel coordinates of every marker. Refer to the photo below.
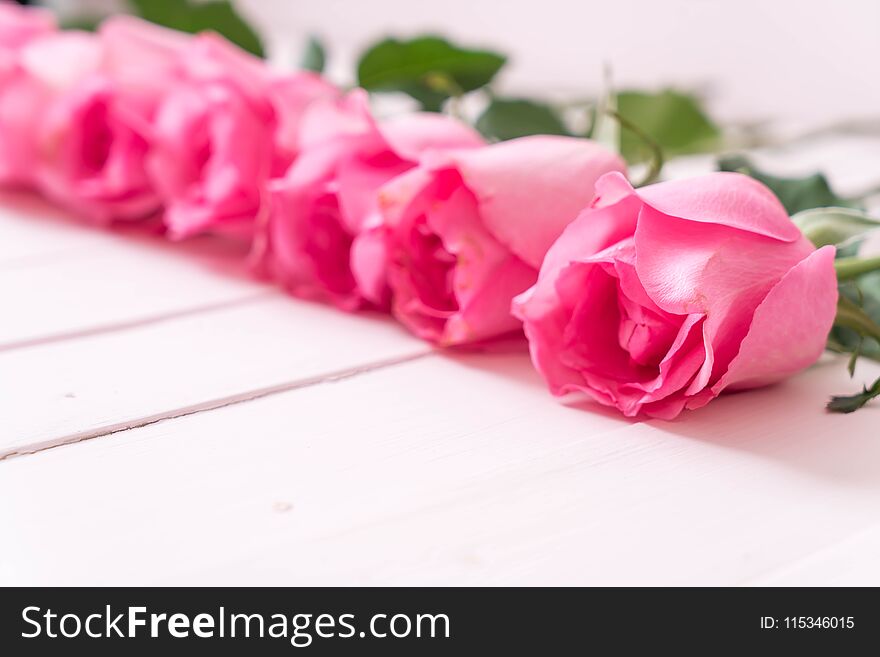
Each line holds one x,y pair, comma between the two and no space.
419,621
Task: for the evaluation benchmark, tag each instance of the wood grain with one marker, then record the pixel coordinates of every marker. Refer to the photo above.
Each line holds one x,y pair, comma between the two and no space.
407,475
78,388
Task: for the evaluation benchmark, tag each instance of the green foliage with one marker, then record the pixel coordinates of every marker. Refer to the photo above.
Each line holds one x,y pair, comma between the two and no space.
672,120
85,22
853,330
509,118
193,17
796,194
428,68
315,56
837,226
850,403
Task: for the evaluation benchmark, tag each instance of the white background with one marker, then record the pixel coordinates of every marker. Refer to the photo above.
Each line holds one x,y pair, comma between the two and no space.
806,61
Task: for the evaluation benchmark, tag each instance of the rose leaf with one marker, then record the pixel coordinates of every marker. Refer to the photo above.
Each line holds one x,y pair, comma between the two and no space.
428,68
193,17
509,118
673,120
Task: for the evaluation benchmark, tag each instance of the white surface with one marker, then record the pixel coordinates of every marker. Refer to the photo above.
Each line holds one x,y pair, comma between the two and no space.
453,470
273,441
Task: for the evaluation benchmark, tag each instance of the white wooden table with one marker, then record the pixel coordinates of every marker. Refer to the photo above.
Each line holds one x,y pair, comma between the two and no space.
166,420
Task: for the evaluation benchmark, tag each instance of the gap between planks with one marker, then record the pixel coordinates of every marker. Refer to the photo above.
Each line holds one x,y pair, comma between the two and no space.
214,404
137,322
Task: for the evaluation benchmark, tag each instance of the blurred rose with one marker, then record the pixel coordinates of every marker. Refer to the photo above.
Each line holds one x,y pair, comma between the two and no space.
655,300
466,231
79,110
94,141
329,194
19,25
20,100
225,127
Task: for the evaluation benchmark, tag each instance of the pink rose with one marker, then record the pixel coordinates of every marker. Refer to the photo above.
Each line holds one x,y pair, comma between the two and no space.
94,141
142,58
223,130
19,25
466,231
20,100
655,300
21,103
77,111
84,132
328,196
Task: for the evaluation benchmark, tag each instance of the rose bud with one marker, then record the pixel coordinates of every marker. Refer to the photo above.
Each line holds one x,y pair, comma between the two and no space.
657,299
328,195
466,231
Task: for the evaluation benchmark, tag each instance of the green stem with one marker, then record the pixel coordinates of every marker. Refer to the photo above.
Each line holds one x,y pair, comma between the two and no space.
853,267
852,317
656,152
445,84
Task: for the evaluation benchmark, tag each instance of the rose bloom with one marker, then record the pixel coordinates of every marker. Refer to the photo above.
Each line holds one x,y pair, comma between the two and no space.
19,25
467,230
19,100
225,127
83,124
328,196
657,299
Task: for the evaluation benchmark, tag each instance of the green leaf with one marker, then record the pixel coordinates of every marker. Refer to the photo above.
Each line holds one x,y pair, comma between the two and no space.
315,56
850,403
509,118
429,99
853,316
854,357
823,226
193,17
796,194
673,120
428,68
852,326
84,22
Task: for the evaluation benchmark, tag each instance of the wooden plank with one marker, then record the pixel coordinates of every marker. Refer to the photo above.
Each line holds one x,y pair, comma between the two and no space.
108,329
33,232
74,389
450,469
101,281
851,562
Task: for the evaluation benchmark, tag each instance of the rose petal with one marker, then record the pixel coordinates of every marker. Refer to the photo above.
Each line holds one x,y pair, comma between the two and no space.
530,189
410,135
789,327
486,274
19,25
691,267
140,54
62,59
726,199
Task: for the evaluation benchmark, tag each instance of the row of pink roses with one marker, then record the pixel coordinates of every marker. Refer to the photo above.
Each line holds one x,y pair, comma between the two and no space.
651,300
